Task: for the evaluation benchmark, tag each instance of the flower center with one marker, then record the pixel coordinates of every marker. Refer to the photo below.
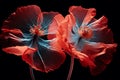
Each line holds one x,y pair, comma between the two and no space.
85,32
36,31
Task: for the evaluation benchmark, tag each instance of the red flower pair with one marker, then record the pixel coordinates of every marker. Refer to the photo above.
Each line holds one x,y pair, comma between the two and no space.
41,38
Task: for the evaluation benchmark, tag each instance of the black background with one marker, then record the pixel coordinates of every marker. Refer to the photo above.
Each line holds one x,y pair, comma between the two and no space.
13,68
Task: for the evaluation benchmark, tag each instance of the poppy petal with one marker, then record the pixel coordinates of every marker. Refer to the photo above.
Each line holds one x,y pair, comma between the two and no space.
82,15
23,18
8,39
53,27
100,54
13,31
103,60
16,50
44,60
101,30
47,20
70,30
84,59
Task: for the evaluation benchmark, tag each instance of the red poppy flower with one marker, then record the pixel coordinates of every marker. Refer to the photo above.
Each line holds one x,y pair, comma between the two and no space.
88,39
29,33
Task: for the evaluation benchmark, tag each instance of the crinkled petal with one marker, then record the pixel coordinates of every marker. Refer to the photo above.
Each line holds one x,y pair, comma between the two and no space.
103,60
8,39
55,22
12,38
49,20
17,50
94,49
101,30
82,16
44,59
24,18
53,27
69,29
100,54
84,59
13,31
94,55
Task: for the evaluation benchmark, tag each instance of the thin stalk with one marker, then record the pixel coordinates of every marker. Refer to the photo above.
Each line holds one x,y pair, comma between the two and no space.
32,74
71,68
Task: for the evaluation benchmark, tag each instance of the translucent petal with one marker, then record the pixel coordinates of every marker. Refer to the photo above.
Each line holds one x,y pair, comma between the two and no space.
44,59
101,30
98,53
82,15
48,18
23,18
17,50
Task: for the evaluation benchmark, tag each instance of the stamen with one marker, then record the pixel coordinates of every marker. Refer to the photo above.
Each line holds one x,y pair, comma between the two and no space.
85,32
37,31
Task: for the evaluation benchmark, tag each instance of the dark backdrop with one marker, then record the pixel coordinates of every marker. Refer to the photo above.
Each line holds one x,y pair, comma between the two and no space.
13,68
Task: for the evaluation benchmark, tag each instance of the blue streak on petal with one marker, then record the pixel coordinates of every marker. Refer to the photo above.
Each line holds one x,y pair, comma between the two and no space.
75,28
100,31
79,46
47,19
46,43
47,59
75,39
12,36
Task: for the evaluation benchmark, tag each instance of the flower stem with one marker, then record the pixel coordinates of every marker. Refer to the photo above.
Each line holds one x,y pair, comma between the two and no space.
71,68
32,74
